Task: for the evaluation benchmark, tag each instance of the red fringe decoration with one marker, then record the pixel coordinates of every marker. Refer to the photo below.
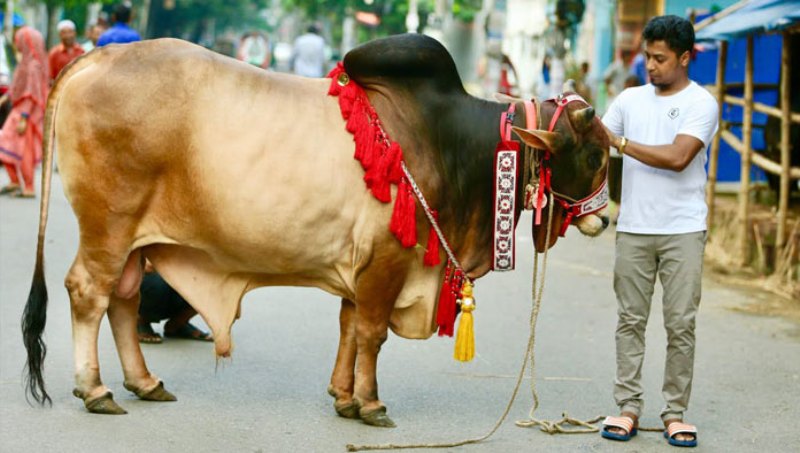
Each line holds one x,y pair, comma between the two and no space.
383,166
451,290
382,163
432,250
404,216
387,171
446,314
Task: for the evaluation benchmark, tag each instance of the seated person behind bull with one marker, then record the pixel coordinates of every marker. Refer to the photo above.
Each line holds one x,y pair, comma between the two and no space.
159,301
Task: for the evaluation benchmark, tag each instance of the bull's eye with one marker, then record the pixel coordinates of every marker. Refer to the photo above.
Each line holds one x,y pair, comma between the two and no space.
595,160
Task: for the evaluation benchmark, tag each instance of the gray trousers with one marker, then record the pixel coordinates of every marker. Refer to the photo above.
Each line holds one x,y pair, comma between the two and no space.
677,260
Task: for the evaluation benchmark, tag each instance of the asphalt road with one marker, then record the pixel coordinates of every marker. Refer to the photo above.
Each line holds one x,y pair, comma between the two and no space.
271,397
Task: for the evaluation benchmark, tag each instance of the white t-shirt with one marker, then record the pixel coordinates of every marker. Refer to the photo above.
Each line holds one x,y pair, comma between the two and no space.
656,201
309,55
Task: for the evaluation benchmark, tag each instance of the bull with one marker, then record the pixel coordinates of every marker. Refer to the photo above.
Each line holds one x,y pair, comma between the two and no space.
241,178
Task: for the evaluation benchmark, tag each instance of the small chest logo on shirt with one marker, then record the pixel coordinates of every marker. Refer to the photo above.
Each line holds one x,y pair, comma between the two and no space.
673,113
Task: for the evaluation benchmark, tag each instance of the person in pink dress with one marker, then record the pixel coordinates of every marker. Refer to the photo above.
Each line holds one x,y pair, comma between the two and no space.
21,136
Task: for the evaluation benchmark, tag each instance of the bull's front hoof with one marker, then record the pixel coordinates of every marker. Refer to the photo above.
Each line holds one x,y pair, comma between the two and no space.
347,409
102,405
158,393
377,417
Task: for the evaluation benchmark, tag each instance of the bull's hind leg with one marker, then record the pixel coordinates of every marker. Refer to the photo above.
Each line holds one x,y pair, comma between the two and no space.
122,314
89,299
343,377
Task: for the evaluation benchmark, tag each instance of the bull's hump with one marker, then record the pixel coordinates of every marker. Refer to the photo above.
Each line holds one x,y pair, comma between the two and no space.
409,59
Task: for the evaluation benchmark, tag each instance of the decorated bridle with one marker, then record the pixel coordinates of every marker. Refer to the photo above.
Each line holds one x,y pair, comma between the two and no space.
539,186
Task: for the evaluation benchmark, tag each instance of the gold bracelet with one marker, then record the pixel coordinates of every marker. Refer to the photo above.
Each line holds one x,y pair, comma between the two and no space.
622,143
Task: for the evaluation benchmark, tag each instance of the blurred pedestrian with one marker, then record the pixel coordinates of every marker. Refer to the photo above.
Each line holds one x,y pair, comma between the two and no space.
21,136
254,48
92,35
159,301
632,81
582,83
120,32
638,69
69,49
308,55
615,74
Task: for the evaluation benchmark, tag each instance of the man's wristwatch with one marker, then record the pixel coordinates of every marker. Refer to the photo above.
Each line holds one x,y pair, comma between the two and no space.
622,143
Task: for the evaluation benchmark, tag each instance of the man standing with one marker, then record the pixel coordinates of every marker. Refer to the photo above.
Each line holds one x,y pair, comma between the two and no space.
662,129
68,50
120,32
308,55
92,36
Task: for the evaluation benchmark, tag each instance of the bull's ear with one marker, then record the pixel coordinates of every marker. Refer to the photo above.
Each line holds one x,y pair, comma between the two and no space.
581,119
569,85
538,139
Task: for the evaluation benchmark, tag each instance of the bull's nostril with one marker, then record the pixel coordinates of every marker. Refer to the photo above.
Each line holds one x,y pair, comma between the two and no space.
605,221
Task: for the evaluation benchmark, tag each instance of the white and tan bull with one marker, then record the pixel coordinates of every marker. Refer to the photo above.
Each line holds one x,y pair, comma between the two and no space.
228,178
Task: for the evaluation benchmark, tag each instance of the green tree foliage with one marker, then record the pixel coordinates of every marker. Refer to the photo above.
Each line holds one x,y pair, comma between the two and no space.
189,18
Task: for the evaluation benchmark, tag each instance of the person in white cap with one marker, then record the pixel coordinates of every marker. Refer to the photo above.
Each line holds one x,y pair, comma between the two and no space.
66,51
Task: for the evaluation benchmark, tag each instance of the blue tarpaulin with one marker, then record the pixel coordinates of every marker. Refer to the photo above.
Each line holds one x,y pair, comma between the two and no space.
758,16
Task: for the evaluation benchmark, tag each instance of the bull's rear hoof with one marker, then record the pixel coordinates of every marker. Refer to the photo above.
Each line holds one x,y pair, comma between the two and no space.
104,405
331,391
159,393
378,418
347,410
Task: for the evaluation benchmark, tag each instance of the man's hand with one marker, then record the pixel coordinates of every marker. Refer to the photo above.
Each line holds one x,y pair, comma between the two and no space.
613,138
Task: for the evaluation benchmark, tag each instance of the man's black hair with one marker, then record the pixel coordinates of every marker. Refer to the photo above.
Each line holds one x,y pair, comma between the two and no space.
122,13
676,31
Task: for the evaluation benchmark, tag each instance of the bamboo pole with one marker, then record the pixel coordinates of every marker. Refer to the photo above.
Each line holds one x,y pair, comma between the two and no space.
713,158
747,139
730,99
763,108
757,159
783,201
725,12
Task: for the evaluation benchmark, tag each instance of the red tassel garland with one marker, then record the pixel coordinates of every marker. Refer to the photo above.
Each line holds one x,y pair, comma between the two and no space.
382,161
432,250
446,313
404,216
378,177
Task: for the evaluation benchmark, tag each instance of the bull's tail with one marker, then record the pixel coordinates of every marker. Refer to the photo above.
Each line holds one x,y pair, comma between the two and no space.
34,317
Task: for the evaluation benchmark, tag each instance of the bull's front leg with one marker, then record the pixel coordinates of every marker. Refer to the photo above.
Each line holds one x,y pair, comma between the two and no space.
371,328
343,377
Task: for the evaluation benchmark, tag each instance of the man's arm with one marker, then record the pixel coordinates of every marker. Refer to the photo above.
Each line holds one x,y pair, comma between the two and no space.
675,156
692,137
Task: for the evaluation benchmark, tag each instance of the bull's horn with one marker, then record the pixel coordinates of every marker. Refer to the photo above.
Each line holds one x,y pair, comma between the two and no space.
569,85
506,99
582,119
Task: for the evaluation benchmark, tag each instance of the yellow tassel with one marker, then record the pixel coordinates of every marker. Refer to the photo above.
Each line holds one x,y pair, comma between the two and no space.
465,337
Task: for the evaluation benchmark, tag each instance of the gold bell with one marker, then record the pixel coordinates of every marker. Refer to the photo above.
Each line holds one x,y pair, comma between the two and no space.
343,79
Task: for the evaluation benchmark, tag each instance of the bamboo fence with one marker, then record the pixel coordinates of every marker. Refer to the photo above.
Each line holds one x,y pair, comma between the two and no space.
785,240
